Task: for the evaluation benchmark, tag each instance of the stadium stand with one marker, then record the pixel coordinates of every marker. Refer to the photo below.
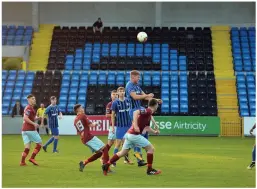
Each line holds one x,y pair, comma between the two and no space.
94,64
20,35
244,60
116,49
15,87
171,50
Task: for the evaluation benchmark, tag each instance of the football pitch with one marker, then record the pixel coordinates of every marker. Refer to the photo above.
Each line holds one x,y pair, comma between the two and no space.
184,161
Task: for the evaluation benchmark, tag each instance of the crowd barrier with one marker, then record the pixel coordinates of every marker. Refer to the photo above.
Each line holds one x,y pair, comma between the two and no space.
248,124
168,125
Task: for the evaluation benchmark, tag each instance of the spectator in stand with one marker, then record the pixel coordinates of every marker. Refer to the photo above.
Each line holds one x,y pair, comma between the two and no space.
17,110
98,25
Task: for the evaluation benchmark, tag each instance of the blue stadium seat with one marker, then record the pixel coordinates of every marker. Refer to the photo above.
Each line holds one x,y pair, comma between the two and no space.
82,91
102,78
156,78
147,78
120,80
111,78
70,107
10,83
27,91
83,84
73,91
65,84
62,107
17,91
165,108
8,91
74,84
93,78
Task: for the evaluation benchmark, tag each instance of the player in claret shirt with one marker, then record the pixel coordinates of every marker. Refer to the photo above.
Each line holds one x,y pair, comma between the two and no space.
140,125
82,125
112,130
29,132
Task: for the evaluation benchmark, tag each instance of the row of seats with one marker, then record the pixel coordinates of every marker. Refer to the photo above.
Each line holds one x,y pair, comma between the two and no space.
119,78
244,59
46,85
17,36
129,34
85,88
246,91
174,93
243,47
131,28
182,93
15,87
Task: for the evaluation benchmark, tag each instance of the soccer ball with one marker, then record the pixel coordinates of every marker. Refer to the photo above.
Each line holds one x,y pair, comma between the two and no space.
142,37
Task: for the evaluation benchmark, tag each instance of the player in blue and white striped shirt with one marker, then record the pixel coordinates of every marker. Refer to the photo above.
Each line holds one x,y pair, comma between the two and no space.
53,112
120,112
136,95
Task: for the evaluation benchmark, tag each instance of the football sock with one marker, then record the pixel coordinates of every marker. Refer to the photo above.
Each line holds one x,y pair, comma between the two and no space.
126,157
47,131
36,150
49,141
114,159
138,154
24,155
149,161
108,146
93,158
253,153
55,144
105,155
115,150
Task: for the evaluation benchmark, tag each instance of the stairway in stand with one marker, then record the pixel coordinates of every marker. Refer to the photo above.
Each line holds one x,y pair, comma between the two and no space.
40,48
227,100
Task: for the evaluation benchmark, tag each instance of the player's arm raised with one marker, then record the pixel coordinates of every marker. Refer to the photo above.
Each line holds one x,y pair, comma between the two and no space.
139,97
148,96
135,117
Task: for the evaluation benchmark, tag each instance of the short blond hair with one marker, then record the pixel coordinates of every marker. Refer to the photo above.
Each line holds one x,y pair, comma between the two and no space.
135,73
121,88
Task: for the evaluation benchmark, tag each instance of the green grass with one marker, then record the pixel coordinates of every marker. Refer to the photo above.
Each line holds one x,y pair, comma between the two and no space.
184,161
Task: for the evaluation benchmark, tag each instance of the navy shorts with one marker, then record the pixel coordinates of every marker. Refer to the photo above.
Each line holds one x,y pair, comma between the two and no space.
120,132
55,131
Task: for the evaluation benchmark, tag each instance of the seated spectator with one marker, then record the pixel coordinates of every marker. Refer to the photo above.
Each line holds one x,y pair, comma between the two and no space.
98,25
17,109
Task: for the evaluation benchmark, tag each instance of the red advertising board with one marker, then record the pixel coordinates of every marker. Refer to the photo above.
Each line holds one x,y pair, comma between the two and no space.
103,122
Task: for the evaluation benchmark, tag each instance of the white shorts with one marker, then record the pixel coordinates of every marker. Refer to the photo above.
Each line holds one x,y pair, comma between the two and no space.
31,136
111,135
95,144
132,141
